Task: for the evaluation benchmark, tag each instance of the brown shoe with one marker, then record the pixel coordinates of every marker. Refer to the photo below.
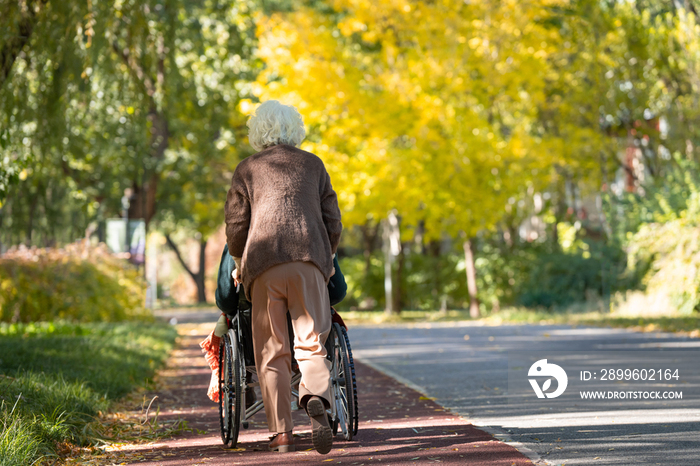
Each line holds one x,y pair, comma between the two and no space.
321,433
283,442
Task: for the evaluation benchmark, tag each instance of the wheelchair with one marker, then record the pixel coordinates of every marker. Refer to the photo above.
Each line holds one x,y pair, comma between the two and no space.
237,373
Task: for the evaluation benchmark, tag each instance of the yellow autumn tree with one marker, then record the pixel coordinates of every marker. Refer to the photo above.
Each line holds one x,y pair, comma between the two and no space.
423,107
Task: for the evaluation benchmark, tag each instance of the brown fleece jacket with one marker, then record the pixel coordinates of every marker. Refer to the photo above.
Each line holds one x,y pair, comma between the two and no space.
282,208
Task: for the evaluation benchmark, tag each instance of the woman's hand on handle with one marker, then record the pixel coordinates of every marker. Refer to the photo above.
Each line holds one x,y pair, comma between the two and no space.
236,273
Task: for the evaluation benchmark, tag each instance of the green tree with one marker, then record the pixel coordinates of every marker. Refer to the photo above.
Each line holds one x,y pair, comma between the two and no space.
126,94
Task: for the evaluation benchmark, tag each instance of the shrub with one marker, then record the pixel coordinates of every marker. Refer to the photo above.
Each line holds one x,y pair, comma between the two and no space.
426,280
671,253
78,283
431,281
540,275
365,290
531,274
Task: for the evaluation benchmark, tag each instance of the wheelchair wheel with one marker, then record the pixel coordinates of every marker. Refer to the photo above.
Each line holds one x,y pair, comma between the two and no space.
356,416
342,384
230,390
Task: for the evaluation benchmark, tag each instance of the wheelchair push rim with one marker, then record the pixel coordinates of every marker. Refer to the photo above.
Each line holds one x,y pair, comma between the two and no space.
341,379
230,389
356,415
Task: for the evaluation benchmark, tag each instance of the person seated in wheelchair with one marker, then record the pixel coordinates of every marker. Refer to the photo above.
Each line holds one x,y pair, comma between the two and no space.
282,229
231,299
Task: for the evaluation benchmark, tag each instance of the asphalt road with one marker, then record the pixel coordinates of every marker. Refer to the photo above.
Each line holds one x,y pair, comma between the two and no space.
466,368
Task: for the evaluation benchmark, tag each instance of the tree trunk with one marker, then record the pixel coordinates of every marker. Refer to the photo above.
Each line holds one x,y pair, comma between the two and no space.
420,238
160,132
12,47
52,237
607,228
559,210
198,277
2,247
143,201
369,240
201,286
471,279
398,289
30,224
434,250
388,267
143,204
160,138
392,248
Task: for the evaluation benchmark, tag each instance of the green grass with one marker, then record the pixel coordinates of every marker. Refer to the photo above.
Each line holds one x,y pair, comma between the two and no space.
18,444
408,316
666,323
575,315
56,378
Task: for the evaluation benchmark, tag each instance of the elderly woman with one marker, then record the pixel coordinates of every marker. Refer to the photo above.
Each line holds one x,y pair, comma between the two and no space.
282,229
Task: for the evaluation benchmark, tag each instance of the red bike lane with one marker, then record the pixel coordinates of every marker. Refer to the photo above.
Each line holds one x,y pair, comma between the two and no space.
398,426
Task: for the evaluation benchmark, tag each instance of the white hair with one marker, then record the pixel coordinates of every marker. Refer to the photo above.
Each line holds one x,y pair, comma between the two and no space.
274,123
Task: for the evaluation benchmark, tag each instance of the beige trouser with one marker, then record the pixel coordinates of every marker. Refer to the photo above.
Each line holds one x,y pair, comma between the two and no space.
300,288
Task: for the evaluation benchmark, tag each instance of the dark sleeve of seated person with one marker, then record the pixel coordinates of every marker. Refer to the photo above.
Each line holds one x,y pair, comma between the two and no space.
337,288
227,298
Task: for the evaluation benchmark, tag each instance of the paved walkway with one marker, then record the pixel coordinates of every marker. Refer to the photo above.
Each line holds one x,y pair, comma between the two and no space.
397,425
